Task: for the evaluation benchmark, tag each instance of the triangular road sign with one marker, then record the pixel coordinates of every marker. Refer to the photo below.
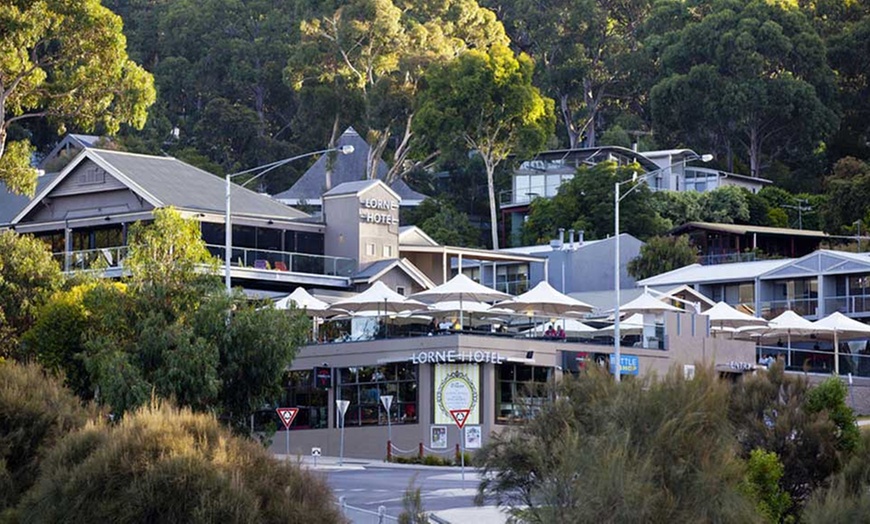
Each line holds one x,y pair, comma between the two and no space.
460,416
287,415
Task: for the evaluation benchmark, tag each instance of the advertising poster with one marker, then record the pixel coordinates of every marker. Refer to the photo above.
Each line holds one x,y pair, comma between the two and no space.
472,437
457,386
439,437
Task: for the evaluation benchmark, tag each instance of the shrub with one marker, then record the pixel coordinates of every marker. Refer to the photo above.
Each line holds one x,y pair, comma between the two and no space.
161,464
35,412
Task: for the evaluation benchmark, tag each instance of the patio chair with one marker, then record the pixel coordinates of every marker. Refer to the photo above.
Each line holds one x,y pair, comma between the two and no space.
280,266
261,264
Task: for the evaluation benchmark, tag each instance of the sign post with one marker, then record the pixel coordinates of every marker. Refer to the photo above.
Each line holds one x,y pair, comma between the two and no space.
287,415
341,405
315,452
387,401
460,416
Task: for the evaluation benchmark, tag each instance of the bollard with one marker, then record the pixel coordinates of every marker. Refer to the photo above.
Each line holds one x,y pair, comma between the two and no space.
389,451
382,514
420,451
342,503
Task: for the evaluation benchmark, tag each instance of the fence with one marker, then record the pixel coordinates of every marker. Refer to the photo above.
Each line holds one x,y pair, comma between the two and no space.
365,516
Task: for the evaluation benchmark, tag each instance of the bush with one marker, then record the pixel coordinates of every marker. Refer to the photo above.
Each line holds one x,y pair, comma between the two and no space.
35,412
161,464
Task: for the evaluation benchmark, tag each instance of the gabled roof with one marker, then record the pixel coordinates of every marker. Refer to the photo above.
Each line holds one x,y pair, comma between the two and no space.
375,270
742,229
72,140
414,236
12,203
358,188
698,274
167,181
345,168
822,261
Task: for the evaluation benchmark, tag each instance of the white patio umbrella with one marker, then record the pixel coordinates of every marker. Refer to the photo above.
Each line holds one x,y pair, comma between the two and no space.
302,299
378,297
724,316
840,327
633,325
460,288
453,307
787,324
543,300
647,304
571,326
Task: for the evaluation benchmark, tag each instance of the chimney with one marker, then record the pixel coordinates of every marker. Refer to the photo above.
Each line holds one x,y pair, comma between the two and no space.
571,238
580,238
634,146
557,244
561,235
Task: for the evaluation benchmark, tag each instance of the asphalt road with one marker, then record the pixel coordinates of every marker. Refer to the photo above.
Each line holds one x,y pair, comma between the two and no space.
371,486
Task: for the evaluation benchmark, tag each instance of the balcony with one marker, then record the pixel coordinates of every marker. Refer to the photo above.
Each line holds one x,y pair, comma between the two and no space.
805,307
727,258
848,305
112,258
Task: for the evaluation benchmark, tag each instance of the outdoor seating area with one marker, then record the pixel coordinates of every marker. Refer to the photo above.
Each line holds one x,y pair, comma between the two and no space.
464,307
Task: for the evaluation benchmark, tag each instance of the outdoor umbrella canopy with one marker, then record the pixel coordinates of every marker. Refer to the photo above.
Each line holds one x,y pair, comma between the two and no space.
378,298
302,299
543,300
571,326
646,303
788,324
632,325
840,327
724,316
460,288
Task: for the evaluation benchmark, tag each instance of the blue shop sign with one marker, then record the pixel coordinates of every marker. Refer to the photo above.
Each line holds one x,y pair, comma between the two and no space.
629,364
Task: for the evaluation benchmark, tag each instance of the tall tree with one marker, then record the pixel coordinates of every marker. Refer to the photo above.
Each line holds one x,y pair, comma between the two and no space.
746,73
662,254
582,49
485,102
378,50
65,62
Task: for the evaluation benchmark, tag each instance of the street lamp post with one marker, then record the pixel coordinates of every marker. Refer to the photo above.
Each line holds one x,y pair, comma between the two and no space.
617,367
265,168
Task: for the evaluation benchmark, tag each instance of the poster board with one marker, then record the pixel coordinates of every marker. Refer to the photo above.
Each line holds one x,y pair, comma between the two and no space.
457,386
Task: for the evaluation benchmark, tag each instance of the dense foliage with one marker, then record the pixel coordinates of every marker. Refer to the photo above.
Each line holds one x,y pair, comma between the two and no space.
161,464
678,450
36,411
773,89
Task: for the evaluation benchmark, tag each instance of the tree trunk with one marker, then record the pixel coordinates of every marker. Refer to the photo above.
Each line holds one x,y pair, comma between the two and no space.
376,152
592,109
754,151
2,140
490,186
570,128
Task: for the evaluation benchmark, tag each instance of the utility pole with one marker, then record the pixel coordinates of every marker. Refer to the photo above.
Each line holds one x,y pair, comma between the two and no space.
800,209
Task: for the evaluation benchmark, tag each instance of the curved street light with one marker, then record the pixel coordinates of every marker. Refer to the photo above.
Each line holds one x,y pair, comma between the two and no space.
265,168
616,200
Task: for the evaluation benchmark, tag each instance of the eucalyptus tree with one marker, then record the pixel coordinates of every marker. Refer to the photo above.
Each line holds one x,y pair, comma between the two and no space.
374,52
584,52
66,62
485,102
745,77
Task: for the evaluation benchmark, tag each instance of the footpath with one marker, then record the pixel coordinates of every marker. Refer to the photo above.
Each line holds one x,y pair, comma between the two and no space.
474,514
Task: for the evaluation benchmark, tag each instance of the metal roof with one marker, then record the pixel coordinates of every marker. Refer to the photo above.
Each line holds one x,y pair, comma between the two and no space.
742,229
698,274
345,168
12,203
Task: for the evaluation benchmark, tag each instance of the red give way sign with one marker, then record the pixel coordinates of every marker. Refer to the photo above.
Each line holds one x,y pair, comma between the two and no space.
460,416
287,415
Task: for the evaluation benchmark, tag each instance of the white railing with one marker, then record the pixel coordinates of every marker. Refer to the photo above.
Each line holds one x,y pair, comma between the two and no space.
286,261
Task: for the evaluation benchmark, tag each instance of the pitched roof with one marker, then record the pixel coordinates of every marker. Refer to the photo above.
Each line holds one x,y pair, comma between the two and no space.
72,140
698,274
742,229
345,168
12,203
374,270
167,181
357,188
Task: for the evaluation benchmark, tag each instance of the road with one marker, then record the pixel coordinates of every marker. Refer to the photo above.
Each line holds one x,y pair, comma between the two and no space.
371,486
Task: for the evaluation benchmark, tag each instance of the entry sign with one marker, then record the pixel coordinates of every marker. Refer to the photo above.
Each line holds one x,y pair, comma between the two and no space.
315,452
460,416
287,415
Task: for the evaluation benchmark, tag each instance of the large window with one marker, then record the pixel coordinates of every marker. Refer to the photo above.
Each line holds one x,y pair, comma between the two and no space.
313,403
363,387
521,392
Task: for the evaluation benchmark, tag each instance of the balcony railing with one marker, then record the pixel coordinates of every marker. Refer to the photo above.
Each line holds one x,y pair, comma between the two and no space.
113,257
727,258
805,307
287,261
818,360
848,305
